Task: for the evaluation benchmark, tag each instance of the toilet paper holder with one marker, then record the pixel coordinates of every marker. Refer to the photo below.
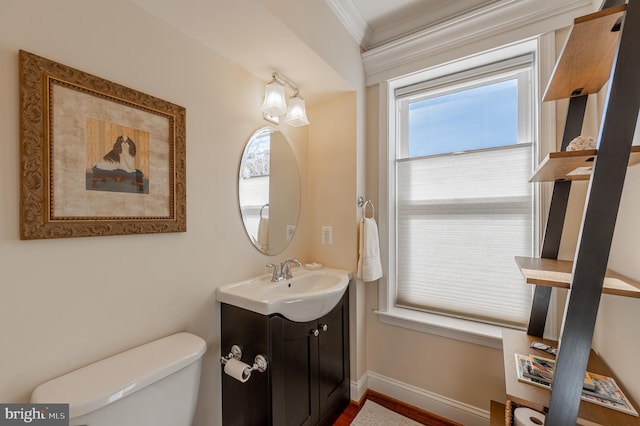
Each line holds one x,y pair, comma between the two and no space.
259,362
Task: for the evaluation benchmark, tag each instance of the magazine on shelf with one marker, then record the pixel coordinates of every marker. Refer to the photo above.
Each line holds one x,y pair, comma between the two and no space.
541,369
606,391
543,366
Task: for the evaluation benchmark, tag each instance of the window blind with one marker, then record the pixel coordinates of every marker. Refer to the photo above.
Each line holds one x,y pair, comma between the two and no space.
460,220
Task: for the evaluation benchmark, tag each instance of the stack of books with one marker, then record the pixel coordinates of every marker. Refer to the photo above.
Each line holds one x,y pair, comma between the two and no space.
598,389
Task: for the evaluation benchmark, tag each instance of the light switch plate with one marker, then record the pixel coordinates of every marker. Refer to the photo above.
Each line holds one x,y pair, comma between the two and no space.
327,235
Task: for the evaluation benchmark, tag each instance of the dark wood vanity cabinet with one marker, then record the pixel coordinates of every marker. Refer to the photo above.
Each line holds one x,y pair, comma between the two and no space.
307,381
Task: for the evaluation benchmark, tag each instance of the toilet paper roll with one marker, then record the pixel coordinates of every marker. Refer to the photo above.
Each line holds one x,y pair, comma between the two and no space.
238,370
524,416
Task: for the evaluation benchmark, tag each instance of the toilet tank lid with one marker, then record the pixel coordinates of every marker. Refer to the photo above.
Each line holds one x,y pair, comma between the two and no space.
103,382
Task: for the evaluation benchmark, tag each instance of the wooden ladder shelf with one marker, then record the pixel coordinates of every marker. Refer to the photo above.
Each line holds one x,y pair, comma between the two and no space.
601,48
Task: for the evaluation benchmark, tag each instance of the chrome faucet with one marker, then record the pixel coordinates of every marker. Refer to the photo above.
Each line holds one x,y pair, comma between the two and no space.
275,275
285,267
282,271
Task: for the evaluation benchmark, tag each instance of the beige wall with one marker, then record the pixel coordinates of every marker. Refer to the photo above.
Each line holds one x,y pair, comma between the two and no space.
332,177
62,302
332,202
463,372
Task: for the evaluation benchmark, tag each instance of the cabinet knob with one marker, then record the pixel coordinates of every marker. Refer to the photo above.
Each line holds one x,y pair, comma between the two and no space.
324,327
315,332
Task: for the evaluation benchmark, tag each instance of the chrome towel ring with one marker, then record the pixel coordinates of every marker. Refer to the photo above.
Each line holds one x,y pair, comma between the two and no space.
364,203
262,209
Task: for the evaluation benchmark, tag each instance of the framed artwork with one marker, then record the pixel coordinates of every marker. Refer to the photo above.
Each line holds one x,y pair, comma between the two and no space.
97,158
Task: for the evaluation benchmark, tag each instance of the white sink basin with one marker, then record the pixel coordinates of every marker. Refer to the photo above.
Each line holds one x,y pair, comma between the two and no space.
305,297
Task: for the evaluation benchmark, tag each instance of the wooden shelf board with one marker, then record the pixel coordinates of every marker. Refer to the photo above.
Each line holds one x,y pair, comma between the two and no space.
537,398
587,56
497,416
557,273
573,165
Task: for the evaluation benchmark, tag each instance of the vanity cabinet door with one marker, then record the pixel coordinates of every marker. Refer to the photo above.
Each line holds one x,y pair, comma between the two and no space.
294,353
309,368
333,362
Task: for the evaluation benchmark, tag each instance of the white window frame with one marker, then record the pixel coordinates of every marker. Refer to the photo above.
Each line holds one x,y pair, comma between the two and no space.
543,49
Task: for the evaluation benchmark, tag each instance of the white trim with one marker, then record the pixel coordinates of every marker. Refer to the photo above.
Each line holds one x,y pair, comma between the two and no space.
547,118
386,211
429,16
546,143
386,183
498,23
496,54
368,38
457,411
348,14
441,325
359,388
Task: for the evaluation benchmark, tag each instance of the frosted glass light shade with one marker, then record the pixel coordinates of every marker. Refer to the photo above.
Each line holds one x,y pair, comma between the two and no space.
274,99
297,115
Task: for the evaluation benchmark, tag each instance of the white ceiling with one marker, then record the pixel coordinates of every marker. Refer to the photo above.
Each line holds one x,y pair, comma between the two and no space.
247,33
236,30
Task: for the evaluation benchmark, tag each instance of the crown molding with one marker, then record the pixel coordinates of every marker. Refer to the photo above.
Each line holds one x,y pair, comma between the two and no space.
501,22
349,16
428,17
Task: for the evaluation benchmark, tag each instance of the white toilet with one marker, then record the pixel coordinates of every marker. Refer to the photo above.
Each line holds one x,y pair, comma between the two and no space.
155,384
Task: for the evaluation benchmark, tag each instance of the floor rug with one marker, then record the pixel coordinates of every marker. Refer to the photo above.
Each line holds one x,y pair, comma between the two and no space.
373,414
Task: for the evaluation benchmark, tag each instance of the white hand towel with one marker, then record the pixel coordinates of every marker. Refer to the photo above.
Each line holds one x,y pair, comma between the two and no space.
369,265
263,233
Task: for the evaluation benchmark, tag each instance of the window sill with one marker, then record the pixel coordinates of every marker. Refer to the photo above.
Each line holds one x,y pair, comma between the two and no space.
441,325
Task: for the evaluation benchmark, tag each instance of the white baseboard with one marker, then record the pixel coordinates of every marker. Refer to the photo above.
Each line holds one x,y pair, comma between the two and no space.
460,412
359,388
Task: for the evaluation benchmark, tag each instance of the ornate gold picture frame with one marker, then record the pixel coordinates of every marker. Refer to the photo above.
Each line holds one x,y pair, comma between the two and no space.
97,158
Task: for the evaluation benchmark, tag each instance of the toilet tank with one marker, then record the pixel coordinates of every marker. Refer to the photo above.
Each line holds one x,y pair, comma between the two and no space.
155,384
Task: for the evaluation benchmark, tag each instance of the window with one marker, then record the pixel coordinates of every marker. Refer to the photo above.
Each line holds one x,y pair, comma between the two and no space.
464,149
443,123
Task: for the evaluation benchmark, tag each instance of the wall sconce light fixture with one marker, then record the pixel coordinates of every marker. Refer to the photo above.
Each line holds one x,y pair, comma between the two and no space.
275,104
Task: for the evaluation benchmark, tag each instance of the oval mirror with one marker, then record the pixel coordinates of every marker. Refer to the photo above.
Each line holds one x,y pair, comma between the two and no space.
269,190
